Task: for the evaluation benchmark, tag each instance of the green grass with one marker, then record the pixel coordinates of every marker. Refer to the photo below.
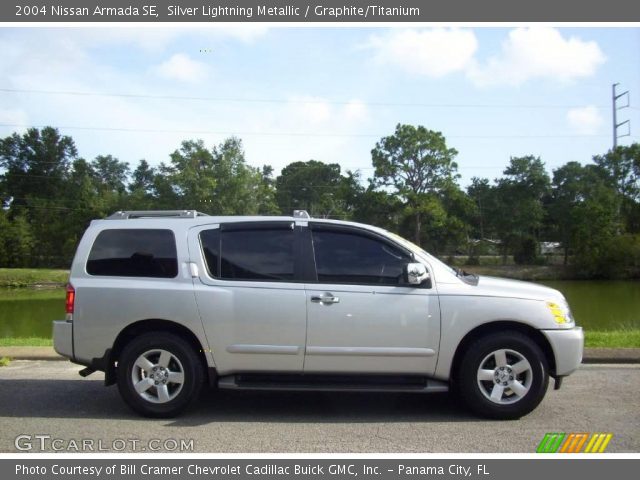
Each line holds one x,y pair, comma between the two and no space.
30,277
4,361
26,342
626,338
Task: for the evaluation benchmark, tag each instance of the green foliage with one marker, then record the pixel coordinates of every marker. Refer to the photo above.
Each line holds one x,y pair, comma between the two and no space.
526,251
318,188
417,163
5,361
49,195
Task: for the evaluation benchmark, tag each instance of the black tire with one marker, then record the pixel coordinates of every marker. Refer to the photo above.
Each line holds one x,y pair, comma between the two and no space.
183,358
475,392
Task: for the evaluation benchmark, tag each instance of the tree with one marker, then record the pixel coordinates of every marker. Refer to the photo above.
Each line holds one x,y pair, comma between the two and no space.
417,163
191,175
141,188
621,170
266,195
317,187
483,195
584,208
237,185
35,164
111,173
218,181
519,206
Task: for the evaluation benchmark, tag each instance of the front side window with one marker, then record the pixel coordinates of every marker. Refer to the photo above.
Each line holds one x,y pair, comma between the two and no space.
349,257
262,253
134,253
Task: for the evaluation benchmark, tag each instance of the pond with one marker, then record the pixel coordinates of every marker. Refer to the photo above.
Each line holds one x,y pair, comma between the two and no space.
606,305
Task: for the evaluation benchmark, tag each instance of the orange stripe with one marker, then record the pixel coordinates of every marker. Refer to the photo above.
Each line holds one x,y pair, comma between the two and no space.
570,437
573,444
583,438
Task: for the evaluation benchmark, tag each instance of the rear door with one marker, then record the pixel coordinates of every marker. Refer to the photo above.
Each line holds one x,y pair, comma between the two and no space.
251,303
362,316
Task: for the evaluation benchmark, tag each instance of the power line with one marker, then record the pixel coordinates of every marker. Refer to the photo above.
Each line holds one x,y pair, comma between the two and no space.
291,101
281,134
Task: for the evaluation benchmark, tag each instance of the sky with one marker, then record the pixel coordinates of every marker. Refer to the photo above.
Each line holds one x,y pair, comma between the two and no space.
323,93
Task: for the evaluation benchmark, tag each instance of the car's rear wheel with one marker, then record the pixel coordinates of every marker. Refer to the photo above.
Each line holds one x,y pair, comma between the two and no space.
159,374
503,375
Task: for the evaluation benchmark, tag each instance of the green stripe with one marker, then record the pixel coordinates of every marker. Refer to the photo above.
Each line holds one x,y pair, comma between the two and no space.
558,442
542,447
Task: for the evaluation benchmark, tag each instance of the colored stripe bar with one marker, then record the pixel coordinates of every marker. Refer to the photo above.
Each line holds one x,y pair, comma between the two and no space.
606,441
581,442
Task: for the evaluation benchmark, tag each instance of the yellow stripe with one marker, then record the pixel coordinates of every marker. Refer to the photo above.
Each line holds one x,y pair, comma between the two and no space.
596,445
606,442
566,443
591,442
583,438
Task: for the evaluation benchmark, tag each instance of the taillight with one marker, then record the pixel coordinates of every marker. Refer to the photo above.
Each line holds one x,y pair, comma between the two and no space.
70,300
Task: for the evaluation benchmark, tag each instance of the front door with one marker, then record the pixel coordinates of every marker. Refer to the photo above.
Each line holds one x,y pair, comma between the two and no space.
362,316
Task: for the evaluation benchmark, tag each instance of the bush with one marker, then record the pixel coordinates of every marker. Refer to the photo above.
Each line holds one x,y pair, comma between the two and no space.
526,251
617,257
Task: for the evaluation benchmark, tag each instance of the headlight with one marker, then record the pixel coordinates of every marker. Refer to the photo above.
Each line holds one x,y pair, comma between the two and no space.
561,313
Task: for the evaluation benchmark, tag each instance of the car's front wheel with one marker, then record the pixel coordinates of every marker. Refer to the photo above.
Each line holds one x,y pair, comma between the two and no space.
159,374
503,375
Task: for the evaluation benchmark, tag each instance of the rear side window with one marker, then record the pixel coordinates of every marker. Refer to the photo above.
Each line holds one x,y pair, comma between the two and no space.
346,257
134,253
262,253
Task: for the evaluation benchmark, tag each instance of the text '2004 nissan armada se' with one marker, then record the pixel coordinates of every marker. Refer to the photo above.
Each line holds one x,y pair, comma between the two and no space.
166,301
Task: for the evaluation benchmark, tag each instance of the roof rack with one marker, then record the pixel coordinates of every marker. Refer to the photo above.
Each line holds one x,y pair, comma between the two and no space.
127,214
301,214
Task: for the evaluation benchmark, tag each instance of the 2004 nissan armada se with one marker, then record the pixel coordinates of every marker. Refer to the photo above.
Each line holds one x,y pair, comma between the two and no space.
166,301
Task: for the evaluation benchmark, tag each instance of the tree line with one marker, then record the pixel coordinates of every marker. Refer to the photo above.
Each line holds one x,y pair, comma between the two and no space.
49,195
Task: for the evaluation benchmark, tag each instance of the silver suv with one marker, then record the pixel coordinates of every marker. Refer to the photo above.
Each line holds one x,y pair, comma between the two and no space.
166,301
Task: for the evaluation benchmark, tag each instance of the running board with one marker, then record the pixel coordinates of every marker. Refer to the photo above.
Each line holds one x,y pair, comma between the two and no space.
362,383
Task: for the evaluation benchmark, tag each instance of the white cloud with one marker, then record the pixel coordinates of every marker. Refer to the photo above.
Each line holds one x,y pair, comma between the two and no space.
538,52
585,120
181,67
433,53
526,53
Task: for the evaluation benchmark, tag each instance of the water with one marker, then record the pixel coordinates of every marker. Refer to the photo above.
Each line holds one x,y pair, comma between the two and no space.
602,305
29,313
606,305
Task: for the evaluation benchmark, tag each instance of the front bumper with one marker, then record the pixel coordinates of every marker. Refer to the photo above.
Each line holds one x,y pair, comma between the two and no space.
63,338
567,346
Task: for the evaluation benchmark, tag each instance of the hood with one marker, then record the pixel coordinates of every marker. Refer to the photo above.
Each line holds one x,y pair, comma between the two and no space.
502,287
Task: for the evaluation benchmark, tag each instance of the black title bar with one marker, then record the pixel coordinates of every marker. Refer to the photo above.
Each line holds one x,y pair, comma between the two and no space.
155,11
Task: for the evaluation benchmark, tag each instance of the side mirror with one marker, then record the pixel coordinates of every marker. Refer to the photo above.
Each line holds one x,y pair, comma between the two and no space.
415,273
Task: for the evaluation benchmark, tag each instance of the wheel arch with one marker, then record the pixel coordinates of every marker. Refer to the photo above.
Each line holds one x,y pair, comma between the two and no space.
153,325
500,326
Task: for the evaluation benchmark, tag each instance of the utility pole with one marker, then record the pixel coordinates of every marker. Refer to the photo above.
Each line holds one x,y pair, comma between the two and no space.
614,102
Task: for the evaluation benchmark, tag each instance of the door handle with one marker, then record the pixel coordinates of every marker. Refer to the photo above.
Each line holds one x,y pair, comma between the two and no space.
327,299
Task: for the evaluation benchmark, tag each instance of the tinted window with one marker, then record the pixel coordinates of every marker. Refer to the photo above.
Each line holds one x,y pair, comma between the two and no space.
257,254
210,240
345,257
134,253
